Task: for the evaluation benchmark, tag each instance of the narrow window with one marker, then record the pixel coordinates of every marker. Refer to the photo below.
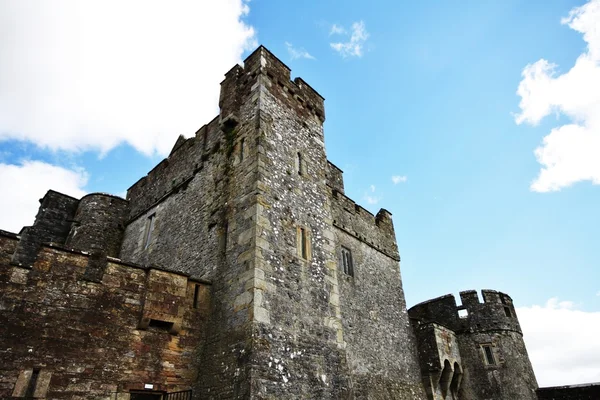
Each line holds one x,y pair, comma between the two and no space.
299,164
507,311
223,238
489,354
242,149
463,313
160,325
196,295
32,383
149,229
347,261
303,242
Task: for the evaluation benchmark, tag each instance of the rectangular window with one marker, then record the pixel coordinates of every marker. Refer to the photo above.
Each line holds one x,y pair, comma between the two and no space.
489,354
149,229
196,295
347,261
303,242
299,166
507,311
32,383
303,251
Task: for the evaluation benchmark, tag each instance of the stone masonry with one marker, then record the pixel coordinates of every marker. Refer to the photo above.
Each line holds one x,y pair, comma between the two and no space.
239,269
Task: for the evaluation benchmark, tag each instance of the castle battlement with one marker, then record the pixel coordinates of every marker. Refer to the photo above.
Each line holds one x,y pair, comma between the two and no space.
496,312
375,231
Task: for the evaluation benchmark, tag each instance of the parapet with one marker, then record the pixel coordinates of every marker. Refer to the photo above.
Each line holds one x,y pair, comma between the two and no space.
496,312
375,231
335,177
52,224
186,159
240,80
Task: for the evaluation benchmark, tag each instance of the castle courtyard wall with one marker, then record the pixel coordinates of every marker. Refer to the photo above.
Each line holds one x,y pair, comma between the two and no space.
93,335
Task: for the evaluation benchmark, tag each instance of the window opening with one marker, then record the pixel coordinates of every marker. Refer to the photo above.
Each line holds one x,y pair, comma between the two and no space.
223,238
32,383
303,250
196,295
489,354
299,164
162,325
347,261
507,311
149,229
463,313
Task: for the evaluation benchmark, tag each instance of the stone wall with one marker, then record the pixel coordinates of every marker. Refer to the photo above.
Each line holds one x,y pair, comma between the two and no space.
90,338
573,392
380,345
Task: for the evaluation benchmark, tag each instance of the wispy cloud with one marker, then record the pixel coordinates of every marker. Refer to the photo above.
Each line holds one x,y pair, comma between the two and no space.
370,196
557,361
296,53
353,47
569,153
399,178
337,30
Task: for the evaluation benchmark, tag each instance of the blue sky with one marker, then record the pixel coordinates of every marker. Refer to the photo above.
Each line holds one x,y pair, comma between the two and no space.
422,91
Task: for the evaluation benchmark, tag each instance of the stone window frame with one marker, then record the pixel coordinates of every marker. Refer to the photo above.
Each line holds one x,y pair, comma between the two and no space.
347,261
32,383
150,223
490,359
303,242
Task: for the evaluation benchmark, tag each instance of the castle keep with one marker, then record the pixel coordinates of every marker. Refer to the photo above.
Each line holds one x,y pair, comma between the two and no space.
239,269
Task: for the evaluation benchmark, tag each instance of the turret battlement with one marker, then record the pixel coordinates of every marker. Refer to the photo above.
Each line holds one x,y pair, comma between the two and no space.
262,67
496,312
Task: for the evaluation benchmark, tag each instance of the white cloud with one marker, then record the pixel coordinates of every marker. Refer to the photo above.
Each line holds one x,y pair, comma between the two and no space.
82,74
24,184
337,30
399,178
353,47
297,53
568,154
370,196
561,342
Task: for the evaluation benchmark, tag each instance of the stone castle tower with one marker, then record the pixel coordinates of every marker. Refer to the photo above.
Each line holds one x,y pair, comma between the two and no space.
239,268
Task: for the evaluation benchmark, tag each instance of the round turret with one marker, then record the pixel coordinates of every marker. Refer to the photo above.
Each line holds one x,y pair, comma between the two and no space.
493,354
98,224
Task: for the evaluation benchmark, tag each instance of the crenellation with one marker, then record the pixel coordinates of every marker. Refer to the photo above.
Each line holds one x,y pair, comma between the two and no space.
335,178
375,231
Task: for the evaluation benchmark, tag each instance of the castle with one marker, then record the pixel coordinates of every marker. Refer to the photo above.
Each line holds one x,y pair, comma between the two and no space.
239,269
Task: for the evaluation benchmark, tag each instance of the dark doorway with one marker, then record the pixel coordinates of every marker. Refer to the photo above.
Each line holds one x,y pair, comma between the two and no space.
145,396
